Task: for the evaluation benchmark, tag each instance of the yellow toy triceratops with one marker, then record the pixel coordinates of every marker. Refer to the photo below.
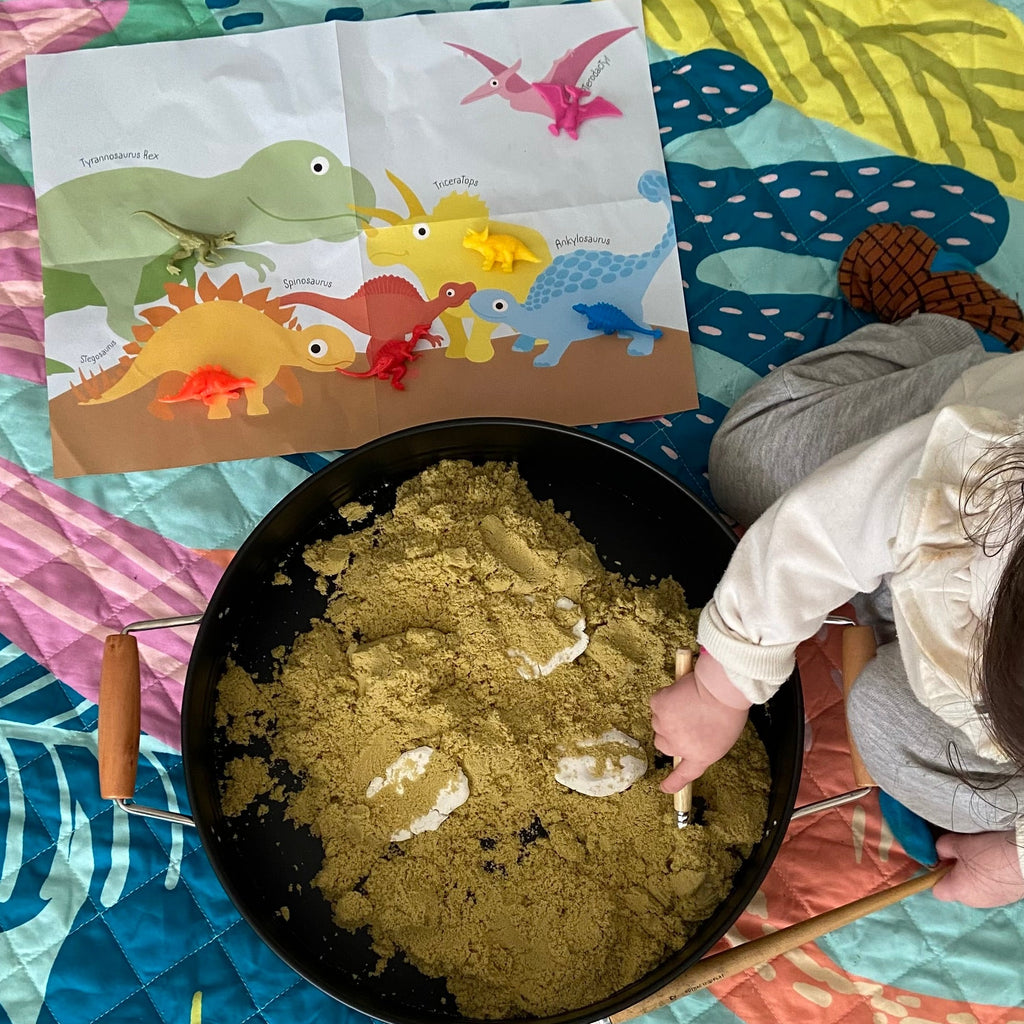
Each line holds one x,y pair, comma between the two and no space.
501,249
429,244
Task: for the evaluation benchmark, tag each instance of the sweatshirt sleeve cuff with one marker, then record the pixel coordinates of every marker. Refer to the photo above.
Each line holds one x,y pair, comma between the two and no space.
756,670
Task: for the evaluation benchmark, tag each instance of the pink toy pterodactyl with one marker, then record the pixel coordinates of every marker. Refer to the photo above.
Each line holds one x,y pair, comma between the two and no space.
557,95
567,112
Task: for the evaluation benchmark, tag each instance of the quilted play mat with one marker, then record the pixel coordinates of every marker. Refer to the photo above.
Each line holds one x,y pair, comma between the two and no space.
787,127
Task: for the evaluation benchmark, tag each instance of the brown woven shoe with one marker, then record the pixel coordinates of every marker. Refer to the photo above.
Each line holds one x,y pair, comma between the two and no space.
886,271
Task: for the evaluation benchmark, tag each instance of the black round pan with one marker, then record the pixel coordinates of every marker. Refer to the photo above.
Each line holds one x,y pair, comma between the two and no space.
642,522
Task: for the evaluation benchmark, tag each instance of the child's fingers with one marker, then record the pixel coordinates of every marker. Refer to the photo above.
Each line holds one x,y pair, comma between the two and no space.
675,743
672,699
664,743
684,772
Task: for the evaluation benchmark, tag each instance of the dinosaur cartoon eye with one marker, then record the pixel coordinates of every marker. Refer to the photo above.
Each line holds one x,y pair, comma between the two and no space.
499,306
317,348
319,165
494,83
421,230
449,293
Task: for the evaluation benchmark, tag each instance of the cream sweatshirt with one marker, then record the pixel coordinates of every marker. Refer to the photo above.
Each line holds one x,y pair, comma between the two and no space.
886,509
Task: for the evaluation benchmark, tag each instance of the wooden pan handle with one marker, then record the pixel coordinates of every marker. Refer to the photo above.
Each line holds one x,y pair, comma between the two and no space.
119,717
759,951
858,649
683,800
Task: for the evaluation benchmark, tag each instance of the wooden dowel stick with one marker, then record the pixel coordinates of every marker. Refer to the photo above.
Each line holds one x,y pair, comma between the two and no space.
683,800
759,951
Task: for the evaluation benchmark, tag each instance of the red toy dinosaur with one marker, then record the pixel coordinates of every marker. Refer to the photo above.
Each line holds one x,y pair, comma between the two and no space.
386,308
393,357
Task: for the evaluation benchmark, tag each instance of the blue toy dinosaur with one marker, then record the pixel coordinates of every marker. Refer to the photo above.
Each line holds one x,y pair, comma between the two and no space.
548,312
609,319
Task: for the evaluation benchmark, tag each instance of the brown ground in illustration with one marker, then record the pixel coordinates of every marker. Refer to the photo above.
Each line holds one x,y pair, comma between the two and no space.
595,381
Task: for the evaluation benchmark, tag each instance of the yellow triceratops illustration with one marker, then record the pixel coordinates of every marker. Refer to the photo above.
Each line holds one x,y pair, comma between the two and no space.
431,246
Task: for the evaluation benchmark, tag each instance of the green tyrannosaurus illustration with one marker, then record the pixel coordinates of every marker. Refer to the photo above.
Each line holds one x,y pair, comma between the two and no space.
286,193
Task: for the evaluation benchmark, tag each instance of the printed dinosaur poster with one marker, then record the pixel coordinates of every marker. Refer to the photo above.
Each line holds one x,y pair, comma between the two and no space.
301,239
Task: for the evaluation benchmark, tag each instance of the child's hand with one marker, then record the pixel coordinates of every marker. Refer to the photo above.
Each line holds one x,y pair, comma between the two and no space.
698,719
987,869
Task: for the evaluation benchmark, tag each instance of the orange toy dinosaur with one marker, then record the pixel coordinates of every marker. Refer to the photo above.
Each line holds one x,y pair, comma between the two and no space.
209,384
215,327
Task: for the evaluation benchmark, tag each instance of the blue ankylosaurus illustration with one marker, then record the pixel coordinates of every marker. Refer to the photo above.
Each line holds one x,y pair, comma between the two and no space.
548,310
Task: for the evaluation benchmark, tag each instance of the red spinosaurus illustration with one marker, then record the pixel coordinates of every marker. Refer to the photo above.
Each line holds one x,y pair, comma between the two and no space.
386,308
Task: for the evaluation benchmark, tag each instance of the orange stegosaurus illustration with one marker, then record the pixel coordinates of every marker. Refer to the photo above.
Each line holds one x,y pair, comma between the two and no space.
248,338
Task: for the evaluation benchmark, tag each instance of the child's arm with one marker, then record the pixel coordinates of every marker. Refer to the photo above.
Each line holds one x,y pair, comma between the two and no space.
821,543
818,545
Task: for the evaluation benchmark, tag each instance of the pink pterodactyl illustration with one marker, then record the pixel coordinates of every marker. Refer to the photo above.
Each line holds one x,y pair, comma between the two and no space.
558,94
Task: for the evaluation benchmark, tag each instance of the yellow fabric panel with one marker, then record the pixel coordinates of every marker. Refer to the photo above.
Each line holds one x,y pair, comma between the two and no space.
938,80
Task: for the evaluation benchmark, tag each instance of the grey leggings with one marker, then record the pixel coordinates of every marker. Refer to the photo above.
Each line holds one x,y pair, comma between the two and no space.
787,425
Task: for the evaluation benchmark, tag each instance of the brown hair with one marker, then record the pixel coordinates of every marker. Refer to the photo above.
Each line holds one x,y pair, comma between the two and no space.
992,513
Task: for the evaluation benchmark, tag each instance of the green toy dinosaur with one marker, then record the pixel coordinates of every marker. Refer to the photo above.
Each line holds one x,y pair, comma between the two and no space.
287,193
192,243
